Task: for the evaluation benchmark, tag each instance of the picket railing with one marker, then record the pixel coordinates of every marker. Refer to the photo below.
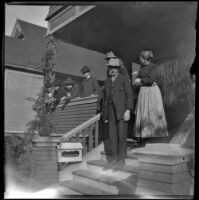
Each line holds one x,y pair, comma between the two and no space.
87,133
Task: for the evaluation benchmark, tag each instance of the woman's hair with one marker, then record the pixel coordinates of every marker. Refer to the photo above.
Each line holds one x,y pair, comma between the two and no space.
147,55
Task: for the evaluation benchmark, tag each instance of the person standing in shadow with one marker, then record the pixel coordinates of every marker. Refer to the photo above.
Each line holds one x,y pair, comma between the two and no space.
117,103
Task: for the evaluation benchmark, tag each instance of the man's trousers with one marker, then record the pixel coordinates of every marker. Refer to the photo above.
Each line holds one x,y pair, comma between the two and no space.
117,136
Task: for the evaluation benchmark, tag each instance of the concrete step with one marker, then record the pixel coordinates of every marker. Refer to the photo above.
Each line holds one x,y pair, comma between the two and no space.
79,188
130,160
110,184
146,193
65,188
123,172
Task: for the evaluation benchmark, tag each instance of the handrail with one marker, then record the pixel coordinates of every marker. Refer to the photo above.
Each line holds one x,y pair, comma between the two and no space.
80,128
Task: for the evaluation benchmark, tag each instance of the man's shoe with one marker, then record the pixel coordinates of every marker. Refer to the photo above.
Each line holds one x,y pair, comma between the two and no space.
121,163
112,163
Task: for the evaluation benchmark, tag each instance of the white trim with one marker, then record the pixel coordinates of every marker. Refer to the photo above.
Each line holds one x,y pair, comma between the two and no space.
81,127
70,20
6,131
7,64
17,26
24,73
53,10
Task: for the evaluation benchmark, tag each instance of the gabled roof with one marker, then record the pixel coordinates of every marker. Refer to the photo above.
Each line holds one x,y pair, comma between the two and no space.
28,53
30,31
22,54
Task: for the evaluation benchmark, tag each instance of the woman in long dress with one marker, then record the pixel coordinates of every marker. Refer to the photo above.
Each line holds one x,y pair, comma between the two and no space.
150,115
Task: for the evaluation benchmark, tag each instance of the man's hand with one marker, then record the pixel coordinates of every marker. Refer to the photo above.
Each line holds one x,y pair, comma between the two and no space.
127,115
138,81
63,98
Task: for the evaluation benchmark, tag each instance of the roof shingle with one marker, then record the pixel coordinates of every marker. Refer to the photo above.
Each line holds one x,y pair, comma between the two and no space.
70,58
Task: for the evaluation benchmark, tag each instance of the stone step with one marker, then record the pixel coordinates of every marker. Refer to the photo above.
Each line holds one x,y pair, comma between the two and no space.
130,160
78,188
146,193
181,188
121,172
66,188
110,184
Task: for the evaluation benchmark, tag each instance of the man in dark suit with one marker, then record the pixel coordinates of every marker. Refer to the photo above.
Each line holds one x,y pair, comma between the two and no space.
90,85
116,108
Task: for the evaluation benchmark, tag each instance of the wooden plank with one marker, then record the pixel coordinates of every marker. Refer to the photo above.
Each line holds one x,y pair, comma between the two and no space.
87,111
85,100
90,138
72,117
77,137
80,106
96,133
76,106
73,110
84,138
84,142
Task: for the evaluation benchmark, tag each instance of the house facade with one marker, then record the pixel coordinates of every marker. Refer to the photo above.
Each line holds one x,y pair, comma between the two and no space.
24,56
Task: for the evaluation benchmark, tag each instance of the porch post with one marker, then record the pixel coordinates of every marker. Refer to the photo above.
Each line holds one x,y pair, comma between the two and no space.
44,172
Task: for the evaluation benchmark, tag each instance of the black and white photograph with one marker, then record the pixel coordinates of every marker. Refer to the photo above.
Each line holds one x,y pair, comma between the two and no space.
99,100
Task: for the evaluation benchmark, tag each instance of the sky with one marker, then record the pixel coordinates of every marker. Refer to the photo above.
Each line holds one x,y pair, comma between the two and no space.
32,14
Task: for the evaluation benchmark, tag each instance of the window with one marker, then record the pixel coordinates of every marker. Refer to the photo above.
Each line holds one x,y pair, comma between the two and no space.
21,36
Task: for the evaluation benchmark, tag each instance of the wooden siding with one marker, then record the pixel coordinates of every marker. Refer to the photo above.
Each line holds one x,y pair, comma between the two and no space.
74,114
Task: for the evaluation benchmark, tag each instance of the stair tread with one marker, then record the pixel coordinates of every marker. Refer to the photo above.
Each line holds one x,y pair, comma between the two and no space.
126,168
129,155
64,190
111,180
85,189
149,191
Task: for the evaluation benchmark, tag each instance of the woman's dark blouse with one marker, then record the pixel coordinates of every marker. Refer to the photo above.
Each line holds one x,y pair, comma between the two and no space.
148,74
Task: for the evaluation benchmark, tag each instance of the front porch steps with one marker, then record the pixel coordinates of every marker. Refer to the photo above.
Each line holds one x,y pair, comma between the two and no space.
99,178
78,188
103,167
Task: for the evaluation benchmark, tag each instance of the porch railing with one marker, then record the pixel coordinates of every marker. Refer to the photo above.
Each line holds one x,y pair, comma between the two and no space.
87,133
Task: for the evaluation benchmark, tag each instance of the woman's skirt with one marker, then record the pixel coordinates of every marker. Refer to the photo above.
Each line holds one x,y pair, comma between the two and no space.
150,116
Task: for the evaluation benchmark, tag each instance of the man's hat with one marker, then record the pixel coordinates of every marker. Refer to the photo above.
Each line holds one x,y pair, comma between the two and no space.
114,62
48,85
57,83
110,55
85,69
68,81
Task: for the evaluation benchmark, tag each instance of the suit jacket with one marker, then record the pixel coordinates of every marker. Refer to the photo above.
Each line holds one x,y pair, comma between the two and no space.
122,96
89,86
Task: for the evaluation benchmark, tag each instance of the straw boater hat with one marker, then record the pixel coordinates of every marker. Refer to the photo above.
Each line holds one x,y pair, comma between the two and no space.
68,81
110,55
114,62
147,55
85,69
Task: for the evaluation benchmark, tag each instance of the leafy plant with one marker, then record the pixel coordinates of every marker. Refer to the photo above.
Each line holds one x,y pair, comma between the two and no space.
18,152
41,122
